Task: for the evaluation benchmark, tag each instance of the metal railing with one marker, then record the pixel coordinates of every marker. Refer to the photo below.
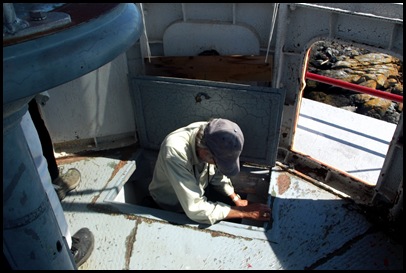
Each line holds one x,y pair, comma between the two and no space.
354,87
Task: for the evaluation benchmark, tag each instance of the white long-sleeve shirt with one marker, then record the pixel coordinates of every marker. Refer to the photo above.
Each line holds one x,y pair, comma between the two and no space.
179,178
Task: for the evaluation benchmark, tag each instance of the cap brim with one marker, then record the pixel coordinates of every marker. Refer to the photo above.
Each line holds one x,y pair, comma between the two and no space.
227,168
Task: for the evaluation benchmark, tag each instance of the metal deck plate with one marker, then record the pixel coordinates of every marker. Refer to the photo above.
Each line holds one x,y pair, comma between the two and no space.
311,229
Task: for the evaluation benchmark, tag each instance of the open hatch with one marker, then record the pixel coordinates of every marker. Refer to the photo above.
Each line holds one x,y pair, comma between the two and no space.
166,104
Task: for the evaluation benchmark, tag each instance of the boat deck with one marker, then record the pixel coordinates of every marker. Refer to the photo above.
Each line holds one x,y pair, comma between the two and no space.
311,228
359,143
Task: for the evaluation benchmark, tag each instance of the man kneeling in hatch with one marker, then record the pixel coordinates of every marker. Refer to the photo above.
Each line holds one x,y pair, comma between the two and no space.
194,157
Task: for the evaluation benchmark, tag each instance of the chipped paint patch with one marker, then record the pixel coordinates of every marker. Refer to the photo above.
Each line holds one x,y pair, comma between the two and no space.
129,245
283,183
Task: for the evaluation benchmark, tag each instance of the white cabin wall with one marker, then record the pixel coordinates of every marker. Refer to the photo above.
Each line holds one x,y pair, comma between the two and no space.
99,104
297,26
255,17
95,106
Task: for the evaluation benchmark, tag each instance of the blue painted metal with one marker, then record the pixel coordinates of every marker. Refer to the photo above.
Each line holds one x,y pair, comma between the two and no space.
43,63
29,68
27,213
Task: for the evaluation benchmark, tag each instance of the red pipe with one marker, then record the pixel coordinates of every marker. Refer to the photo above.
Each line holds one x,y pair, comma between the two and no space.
354,87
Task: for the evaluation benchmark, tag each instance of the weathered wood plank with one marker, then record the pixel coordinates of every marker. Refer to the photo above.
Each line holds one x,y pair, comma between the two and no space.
236,68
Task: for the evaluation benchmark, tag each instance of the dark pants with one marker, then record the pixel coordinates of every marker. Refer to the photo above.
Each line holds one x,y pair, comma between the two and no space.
45,138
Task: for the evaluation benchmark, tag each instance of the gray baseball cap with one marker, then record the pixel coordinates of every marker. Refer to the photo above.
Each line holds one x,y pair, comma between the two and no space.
225,141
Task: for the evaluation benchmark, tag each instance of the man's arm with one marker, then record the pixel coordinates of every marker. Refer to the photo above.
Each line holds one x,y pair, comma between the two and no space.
188,191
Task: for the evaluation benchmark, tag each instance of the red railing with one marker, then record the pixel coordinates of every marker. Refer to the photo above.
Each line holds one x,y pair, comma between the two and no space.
354,87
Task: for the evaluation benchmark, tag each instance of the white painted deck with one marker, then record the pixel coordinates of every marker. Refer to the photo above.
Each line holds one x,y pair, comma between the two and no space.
350,142
311,228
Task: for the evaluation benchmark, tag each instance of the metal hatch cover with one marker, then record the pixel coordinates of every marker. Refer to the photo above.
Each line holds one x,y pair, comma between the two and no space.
163,104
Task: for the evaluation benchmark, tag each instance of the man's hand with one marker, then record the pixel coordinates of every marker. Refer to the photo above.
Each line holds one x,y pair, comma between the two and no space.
256,211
